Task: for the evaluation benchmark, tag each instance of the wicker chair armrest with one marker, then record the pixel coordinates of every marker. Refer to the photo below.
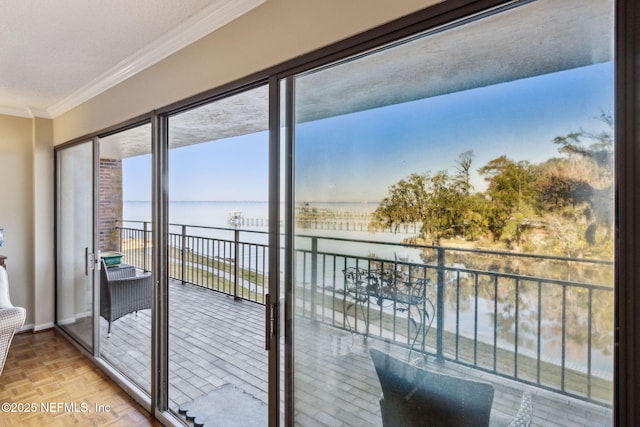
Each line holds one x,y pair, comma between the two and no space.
131,280
118,273
11,319
525,414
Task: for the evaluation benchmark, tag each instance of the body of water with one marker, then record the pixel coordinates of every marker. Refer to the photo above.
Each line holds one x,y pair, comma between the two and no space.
206,214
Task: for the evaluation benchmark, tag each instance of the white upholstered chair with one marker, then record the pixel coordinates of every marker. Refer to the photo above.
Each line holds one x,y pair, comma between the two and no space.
11,318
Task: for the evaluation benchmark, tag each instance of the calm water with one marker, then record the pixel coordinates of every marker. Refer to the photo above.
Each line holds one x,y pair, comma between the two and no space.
208,214
216,214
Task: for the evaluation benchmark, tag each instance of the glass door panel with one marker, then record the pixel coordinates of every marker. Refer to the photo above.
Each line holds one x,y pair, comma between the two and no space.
219,258
125,245
454,225
75,284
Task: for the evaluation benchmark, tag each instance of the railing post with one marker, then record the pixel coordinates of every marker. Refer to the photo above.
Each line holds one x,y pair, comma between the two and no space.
440,306
236,266
183,262
314,275
120,232
145,229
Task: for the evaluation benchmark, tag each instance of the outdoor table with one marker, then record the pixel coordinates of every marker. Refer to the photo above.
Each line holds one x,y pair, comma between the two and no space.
390,288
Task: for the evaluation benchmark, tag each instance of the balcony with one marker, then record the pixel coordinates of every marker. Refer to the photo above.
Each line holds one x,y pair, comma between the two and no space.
217,328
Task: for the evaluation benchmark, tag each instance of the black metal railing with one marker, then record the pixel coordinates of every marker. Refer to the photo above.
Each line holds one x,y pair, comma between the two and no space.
541,320
520,313
205,256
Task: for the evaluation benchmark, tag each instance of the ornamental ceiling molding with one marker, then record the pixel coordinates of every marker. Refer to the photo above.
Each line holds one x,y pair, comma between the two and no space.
210,19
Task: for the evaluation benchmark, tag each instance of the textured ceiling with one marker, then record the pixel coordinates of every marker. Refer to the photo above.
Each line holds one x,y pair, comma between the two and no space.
52,49
240,114
502,47
541,37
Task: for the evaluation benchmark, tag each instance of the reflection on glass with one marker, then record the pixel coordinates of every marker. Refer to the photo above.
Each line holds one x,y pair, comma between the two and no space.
454,211
125,247
74,242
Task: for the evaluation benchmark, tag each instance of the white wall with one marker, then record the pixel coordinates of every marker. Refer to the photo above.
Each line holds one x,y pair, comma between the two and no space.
18,201
42,260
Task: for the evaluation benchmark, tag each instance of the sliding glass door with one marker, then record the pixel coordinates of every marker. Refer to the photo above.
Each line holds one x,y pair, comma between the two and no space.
75,243
218,265
124,209
453,197
219,259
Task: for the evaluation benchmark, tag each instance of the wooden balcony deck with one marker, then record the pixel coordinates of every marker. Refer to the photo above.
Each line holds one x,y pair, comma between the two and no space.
215,340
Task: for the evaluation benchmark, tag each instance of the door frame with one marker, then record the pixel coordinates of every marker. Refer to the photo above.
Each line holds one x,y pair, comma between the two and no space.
90,254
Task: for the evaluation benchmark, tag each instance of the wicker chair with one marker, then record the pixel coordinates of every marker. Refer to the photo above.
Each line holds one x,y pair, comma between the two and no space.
416,397
11,318
123,291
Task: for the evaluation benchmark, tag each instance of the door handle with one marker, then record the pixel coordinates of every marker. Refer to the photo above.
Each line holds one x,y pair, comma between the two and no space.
267,322
270,321
90,261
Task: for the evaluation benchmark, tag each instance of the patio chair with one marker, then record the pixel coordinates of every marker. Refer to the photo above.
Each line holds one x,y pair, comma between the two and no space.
412,396
11,318
123,291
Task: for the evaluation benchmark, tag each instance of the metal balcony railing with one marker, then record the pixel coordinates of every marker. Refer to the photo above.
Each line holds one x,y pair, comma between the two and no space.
195,256
519,316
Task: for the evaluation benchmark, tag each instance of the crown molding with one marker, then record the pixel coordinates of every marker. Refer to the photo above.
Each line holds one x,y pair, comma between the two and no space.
210,19
26,112
37,112
16,111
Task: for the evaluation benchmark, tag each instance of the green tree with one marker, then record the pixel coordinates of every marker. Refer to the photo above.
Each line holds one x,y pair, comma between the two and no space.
443,204
463,172
512,189
563,183
435,201
404,205
472,208
474,216
444,207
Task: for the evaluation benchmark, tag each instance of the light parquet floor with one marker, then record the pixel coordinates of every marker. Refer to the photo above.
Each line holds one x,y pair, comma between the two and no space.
48,382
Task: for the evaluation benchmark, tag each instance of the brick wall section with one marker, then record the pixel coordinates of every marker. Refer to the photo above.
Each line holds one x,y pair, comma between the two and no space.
110,203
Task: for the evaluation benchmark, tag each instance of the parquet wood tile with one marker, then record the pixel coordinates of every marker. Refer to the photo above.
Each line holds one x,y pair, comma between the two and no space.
48,382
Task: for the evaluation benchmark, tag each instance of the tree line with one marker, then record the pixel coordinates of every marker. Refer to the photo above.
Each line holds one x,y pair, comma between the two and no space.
563,205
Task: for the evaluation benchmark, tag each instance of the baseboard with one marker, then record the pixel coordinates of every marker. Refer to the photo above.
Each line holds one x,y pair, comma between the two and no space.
35,328
68,321
25,328
44,326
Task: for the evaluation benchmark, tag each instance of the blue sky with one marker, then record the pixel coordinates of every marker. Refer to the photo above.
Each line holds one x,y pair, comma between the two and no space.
225,170
356,157
230,169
